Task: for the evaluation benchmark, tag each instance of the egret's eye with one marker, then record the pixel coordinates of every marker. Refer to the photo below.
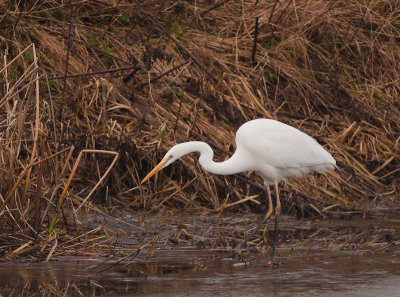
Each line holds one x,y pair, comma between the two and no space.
169,157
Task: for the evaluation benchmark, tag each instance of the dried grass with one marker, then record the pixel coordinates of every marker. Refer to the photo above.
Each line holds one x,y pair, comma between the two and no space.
329,68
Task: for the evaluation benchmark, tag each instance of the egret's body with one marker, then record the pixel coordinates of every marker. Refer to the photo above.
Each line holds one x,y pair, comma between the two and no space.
274,150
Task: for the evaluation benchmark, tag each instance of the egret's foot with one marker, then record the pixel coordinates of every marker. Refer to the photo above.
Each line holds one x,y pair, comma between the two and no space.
237,254
239,259
271,263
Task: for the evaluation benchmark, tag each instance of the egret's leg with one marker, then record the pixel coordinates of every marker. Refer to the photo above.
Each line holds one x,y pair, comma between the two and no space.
278,201
267,216
277,213
271,260
270,205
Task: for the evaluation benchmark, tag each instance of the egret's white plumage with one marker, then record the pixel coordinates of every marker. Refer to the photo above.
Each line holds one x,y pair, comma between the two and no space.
279,151
274,150
271,148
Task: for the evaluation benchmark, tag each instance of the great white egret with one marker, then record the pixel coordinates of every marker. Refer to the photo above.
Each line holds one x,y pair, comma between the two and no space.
272,149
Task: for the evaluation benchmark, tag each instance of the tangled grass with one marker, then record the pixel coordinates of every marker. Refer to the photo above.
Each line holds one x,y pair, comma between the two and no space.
136,77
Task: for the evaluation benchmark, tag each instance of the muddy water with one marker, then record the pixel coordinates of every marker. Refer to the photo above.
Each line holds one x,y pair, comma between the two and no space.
184,269
191,272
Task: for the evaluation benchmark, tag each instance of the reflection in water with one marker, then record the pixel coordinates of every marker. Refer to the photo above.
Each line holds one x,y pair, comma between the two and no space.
186,270
190,272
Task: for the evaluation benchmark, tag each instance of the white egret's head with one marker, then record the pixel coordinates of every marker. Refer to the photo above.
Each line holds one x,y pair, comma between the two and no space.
173,154
170,157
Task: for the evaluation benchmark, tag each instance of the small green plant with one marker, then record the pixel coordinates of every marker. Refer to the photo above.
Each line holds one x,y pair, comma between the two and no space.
52,84
105,47
179,93
125,19
162,129
28,56
270,74
94,41
177,28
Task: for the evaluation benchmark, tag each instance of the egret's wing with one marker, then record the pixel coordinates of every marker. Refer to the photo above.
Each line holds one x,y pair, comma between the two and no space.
285,148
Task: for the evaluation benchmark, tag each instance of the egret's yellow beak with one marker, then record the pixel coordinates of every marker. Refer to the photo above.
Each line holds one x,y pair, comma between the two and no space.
155,170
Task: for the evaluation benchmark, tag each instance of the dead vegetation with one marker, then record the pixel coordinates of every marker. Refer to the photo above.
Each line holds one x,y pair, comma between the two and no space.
136,77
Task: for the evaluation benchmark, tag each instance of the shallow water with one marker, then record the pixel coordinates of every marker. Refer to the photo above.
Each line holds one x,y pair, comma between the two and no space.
322,258
193,272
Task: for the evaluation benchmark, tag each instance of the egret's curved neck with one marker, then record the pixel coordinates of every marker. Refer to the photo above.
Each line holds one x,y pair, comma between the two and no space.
233,165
